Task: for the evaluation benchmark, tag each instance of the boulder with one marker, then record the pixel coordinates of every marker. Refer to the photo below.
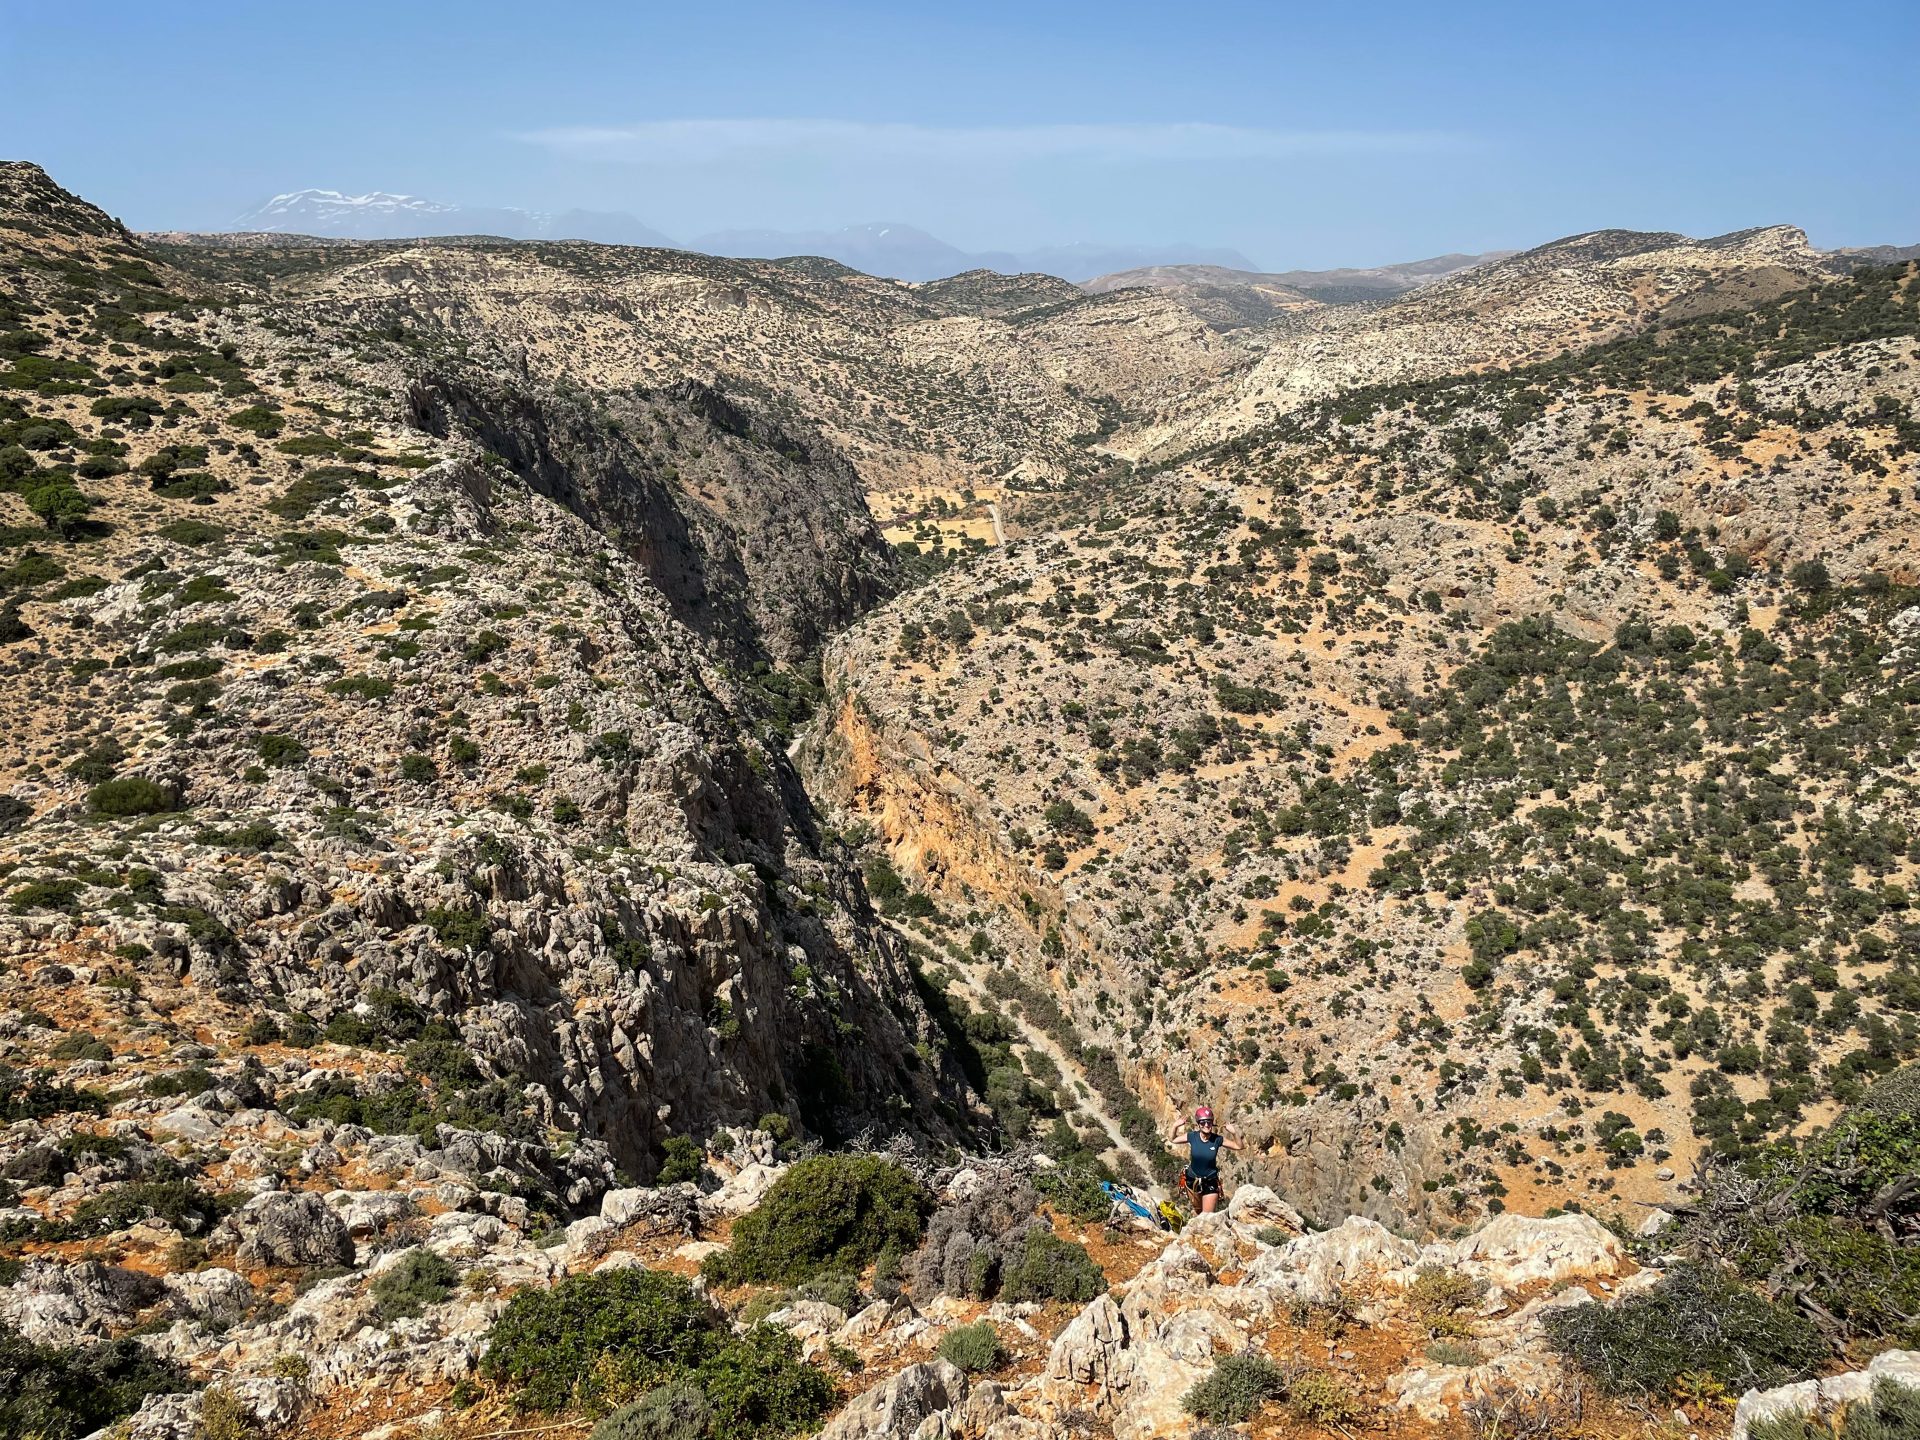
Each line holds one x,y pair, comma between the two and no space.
1319,1268
58,1304
1179,1356
1092,1350
743,1191
875,1320
1814,1397
665,1208
1513,1250
1256,1205
273,1404
589,1238
898,1408
367,1213
813,1323
282,1229
215,1295
1653,1223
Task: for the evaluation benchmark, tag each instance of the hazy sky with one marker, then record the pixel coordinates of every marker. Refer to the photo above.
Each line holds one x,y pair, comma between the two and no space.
1341,134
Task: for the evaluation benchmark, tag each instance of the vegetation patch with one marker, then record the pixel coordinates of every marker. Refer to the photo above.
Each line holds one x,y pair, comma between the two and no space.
827,1213
603,1340
1695,1321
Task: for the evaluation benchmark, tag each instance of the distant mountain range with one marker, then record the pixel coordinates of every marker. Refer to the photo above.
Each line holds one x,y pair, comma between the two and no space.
1254,295
902,252
907,253
378,215
1223,279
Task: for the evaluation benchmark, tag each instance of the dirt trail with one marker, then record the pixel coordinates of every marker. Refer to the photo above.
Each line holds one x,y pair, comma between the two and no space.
999,530
1089,1100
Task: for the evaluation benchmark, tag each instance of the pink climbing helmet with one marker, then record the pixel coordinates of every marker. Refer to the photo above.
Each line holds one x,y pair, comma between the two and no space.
1203,1115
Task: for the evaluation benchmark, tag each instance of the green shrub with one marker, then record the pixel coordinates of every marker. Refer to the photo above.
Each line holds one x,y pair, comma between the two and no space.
767,1302
1075,1192
1895,1094
593,1339
684,1159
1045,1267
1454,1352
60,1392
224,1416
1695,1319
1814,1229
180,1203
839,1290
1237,1387
129,795
673,1412
1438,1295
362,687
631,1329
458,929
758,1387
418,1279
61,507
827,1213
194,1080
80,1046
1321,1398
257,419
192,532
280,749
62,895
973,1348
35,1096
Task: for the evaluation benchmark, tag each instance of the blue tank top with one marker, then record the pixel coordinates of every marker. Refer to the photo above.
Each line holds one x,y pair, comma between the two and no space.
1203,1161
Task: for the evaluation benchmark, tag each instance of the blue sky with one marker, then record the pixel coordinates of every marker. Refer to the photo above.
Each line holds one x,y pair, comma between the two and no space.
1302,137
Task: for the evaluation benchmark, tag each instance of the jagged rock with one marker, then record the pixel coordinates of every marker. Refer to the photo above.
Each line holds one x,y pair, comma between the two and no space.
984,1408
282,1229
192,1122
367,1213
1256,1205
741,1192
1512,1250
1813,1397
667,1208
60,1304
273,1404
1179,1354
1092,1350
1653,1223
812,1322
877,1319
896,1409
214,1295
1319,1268
589,1237
1519,1359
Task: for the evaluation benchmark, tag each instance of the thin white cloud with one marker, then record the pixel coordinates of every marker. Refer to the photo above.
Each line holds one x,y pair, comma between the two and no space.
707,141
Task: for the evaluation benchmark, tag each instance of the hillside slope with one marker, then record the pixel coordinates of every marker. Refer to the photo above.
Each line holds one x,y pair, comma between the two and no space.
1484,789
327,729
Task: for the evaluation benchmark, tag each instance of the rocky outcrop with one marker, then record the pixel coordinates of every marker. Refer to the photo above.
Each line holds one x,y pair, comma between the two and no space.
758,534
290,1230
898,1409
1813,1399
1515,1250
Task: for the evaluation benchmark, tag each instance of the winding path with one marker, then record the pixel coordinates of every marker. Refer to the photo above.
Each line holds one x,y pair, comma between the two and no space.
1086,1098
